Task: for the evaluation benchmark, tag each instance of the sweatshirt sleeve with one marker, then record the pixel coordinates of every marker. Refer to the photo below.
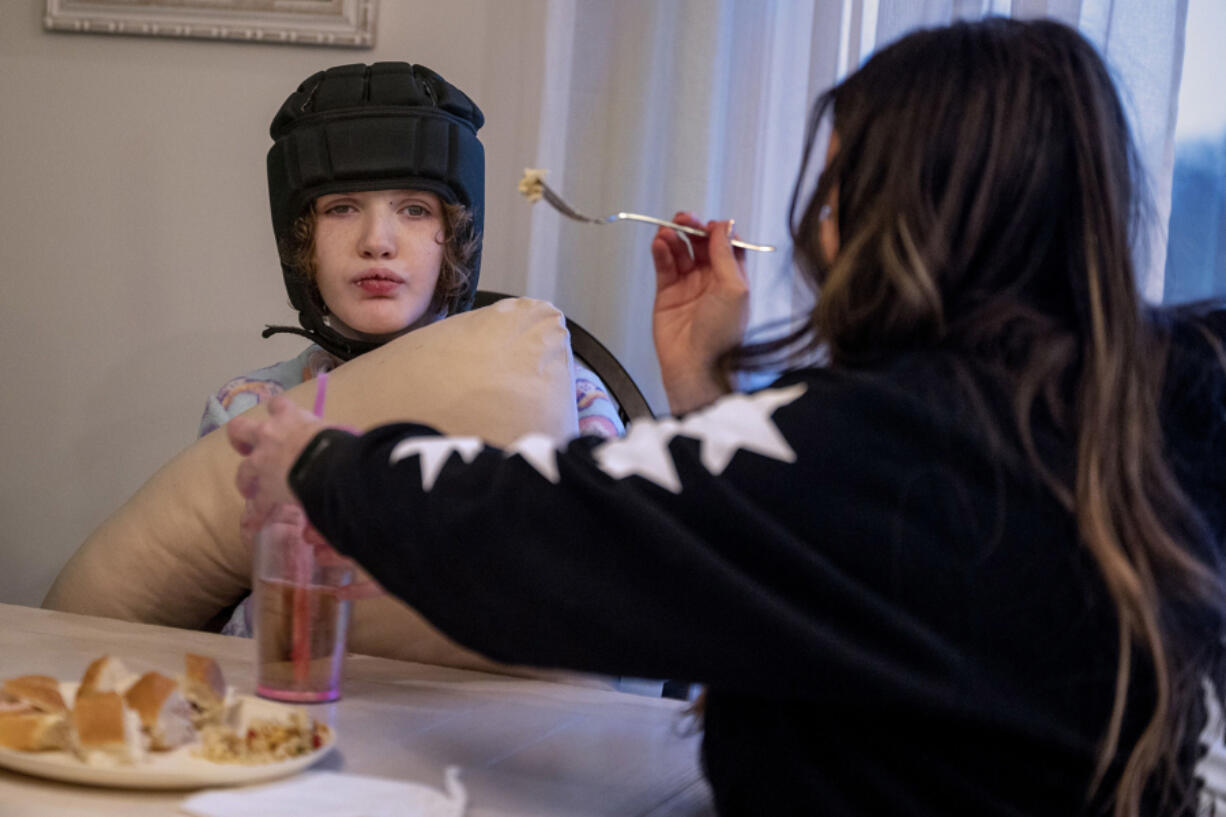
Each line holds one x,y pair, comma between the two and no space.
683,550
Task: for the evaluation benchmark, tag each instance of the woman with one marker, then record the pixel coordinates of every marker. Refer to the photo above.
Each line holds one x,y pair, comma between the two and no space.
971,565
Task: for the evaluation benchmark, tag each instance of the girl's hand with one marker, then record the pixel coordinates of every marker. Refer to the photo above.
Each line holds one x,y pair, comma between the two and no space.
701,310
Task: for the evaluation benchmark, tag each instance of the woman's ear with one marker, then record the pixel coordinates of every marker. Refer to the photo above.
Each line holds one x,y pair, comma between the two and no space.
828,229
828,215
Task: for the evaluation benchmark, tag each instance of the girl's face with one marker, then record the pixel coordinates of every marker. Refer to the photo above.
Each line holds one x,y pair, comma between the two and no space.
377,259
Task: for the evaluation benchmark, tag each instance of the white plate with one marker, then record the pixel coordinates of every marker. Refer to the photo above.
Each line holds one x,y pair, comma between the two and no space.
177,769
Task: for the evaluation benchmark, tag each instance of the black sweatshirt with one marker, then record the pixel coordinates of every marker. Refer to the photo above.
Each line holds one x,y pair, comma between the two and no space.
891,612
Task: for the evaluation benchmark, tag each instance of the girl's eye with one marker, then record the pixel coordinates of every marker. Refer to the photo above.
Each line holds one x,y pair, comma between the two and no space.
339,209
415,210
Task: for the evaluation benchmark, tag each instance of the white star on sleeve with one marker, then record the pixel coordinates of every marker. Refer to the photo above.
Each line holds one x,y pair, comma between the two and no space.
741,421
434,452
539,451
643,451
733,423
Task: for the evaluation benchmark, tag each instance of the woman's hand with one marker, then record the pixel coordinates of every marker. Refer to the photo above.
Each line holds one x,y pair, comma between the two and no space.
269,449
701,310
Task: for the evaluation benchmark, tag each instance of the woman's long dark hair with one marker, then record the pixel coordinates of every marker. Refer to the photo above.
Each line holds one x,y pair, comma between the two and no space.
987,197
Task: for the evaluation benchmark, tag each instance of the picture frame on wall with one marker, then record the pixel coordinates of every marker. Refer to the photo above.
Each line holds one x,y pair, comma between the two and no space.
343,23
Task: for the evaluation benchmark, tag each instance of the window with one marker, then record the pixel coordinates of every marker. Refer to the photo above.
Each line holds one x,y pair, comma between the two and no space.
1196,247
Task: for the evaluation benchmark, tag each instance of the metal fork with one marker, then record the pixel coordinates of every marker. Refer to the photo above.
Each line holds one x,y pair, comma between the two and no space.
565,209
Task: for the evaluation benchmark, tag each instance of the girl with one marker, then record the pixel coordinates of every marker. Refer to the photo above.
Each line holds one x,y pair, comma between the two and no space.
971,565
377,184
376,181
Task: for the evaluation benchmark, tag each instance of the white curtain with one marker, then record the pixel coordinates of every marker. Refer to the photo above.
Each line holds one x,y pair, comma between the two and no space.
653,106
1142,41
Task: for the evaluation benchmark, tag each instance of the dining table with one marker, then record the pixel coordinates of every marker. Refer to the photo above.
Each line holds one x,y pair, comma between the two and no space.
530,746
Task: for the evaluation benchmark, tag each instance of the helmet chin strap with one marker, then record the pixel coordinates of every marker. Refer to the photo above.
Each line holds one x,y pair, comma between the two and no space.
329,339
311,315
325,337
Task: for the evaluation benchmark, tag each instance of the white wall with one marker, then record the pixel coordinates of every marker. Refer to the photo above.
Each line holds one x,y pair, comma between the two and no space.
137,264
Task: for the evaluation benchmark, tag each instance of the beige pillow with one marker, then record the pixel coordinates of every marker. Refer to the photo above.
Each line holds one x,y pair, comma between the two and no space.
171,554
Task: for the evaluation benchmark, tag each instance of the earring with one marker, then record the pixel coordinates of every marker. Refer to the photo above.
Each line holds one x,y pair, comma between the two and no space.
824,213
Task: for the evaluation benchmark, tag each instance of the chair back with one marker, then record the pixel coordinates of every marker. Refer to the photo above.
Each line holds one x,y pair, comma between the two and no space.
631,403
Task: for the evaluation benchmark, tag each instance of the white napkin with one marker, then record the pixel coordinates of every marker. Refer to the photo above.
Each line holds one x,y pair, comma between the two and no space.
332,794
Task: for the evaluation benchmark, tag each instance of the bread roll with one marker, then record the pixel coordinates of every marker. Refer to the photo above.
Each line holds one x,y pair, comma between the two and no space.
105,674
104,731
165,714
33,731
42,692
204,687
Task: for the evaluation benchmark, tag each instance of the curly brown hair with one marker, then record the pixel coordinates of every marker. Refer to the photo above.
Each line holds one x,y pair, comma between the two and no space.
460,244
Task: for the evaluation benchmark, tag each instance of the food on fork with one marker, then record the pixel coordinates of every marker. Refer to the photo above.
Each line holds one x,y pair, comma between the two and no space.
165,715
205,689
106,732
531,184
105,674
39,692
33,731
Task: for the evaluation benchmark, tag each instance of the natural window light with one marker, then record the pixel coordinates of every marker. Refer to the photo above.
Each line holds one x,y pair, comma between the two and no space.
1196,249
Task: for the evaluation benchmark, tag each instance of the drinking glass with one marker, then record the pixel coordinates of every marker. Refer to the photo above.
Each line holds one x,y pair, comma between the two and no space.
302,604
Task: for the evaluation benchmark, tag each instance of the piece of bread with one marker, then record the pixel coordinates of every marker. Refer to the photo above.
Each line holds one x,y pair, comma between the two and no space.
104,731
204,687
165,715
41,692
172,554
105,674
33,731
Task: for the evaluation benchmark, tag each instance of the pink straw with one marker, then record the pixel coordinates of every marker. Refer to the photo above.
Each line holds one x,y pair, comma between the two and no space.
321,391
301,644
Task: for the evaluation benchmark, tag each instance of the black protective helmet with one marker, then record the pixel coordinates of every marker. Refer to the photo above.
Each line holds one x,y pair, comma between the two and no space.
386,126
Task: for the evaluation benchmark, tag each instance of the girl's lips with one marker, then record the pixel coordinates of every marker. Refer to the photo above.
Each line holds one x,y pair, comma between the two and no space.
378,282
378,286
